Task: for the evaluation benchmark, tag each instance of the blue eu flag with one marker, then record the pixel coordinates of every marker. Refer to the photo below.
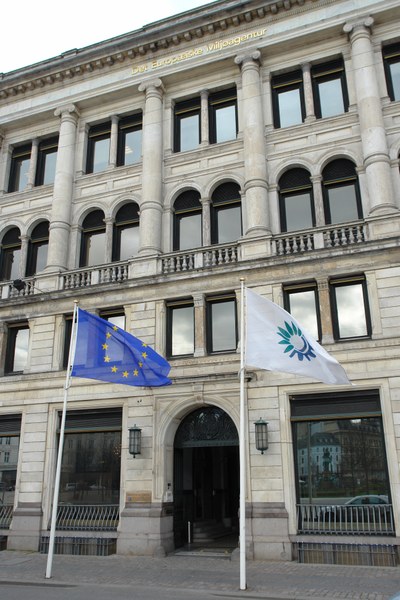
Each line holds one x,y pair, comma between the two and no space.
106,352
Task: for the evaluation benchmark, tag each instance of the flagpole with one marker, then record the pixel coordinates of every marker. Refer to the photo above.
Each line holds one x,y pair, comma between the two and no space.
242,453
71,354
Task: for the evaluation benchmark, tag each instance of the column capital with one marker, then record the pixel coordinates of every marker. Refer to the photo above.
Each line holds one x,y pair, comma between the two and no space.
152,86
68,111
250,57
363,24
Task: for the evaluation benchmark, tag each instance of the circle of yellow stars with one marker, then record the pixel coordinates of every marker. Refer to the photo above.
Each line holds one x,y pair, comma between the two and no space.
114,368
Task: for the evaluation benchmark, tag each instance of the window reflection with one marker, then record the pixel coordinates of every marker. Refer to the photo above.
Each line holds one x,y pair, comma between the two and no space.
351,317
190,132
289,106
187,221
181,329
331,98
395,77
343,204
302,305
225,120
222,325
101,152
339,459
9,447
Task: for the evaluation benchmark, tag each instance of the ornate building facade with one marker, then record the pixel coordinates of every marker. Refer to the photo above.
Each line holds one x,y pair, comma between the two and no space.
144,177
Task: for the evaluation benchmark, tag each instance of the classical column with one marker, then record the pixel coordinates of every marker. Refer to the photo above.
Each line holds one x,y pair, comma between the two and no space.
308,92
151,207
59,230
205,203
109,238
24,255
255,163
199,325
204,118
33,164
373,135
112,161
316,181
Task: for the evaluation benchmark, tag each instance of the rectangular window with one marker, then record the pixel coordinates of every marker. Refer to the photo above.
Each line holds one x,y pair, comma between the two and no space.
46,165
98,151
19,172
10,426
221,324
187,125
391,61
129,140
341,437
90,471
330,90
301,301
349,302
223,116
180,328
17,348
288,99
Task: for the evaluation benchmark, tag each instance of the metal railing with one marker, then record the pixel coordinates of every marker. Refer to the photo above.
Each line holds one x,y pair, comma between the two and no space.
93,517
343,519
6,513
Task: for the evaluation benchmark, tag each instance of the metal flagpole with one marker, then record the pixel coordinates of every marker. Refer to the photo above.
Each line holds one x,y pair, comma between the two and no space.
71,355
242,453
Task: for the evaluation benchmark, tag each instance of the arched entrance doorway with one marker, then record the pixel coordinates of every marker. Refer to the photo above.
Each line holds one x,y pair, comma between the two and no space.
206,478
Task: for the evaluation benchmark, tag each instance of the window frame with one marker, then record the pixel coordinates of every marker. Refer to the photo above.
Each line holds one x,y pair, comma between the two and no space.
340,182
19,155
121,225
217,206
35,242
220,299
217,100
334,283
329,71
171,306
183,109
287,82
127,125
11,347
46,148
287,192
6,250
191,198
390,55
87,233
307,286
96,133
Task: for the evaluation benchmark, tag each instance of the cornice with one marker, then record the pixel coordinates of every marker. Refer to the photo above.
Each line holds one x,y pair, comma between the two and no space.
193,25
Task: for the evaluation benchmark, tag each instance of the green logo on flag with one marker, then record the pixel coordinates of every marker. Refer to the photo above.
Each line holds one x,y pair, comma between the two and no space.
296,343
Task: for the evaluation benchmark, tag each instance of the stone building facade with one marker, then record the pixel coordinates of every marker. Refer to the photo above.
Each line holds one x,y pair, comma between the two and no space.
144,177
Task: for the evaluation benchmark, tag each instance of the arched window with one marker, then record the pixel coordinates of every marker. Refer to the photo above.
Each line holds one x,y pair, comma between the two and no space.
126,232
296,200
37,251
342,201
11,255
93,240
187,221
226,214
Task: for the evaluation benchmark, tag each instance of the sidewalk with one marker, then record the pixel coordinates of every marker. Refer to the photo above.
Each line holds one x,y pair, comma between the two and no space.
287,580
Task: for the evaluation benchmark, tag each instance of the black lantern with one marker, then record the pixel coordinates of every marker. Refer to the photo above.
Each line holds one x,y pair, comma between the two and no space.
135,440
261,435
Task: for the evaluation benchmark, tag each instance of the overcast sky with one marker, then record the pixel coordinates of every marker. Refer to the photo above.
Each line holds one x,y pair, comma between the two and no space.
34,31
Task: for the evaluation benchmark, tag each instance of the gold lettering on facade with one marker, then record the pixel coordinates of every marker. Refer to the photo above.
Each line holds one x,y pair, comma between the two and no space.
213,47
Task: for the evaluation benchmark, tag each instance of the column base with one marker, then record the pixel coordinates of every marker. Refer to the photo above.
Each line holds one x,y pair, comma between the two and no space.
146,530
26,527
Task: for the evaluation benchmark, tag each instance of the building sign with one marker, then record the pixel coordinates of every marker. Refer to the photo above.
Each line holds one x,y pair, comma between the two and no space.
142,497
200,51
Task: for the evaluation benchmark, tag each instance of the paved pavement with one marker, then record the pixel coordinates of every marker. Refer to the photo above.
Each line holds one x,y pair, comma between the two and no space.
216,576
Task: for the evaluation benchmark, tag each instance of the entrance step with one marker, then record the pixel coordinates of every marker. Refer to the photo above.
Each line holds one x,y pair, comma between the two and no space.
207,531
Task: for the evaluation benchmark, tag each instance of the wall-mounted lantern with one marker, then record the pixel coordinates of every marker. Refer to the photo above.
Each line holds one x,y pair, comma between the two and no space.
261,435
135,440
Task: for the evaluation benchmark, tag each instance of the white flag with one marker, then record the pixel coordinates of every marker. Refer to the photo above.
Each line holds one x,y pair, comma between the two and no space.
276,342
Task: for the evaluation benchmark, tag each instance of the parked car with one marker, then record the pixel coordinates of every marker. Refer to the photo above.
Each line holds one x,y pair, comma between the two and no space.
69,487
353,509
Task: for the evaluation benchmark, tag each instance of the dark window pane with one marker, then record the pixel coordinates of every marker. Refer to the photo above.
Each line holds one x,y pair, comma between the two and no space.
182,330
298,211
189,132
351,314
223,326
302,305
341,460
343,203
90,471
11,262
289,106
8,468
